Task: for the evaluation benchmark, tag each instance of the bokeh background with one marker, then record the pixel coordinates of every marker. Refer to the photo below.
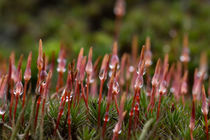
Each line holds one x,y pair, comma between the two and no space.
85,23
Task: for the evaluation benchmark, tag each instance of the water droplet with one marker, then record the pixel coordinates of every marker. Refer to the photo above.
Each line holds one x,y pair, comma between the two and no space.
3,107
106,118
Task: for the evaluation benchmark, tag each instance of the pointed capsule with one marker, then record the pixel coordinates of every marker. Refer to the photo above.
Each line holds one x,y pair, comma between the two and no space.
13,69
204,107
148,53
139,82
79,59
27,74
3,97
203,65
115,87
119,9
185,57
114,59
196,85
184,85
40,54
155,78
18,90
61,61
141,59
89,65
82,69
104,68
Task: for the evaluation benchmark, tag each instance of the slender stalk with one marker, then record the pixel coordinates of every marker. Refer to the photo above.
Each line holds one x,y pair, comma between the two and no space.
16,103
131,114
11,102
99,102
24,93
152,98
206,125
115,101
87,88
37,111
159,103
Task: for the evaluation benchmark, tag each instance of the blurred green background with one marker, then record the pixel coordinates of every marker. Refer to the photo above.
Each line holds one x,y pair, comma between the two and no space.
85,23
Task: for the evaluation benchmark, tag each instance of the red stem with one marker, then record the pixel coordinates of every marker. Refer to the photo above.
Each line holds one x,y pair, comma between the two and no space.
16,103
69,119
99,102
159,103
131,114
87,88
206,125
115,101
24,93
37,111
152,98
83,95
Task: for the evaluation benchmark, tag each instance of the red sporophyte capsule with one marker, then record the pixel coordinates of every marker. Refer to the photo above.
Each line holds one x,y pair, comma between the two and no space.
89,65
196,90
14,70
119,9
3,97
79,59
40,59
203,65
184,85
82,69
114,59
155,78
185,57
148,53
104,68
141,60
163,83
61,61
139,82
27,74
115,87
204,108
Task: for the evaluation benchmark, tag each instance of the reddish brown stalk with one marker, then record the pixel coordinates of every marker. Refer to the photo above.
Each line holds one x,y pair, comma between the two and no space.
115,101
102,77
117,128
16,103
109,98
131,114
204,110
159,103
192,119
99,102
61,109
37,111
